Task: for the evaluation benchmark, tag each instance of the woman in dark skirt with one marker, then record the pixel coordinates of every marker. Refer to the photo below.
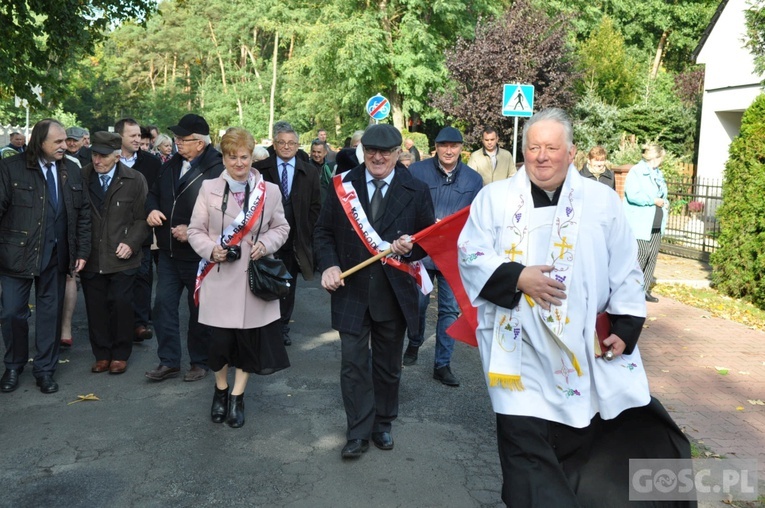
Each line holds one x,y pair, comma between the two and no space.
227,231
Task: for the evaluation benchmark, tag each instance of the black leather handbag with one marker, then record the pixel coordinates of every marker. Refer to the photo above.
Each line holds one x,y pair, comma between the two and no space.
269,278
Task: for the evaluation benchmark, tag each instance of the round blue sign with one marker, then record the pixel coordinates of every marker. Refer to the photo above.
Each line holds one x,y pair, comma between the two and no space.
378,107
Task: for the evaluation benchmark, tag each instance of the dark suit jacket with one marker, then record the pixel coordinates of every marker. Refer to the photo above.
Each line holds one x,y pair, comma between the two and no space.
148,165
408,209
306,204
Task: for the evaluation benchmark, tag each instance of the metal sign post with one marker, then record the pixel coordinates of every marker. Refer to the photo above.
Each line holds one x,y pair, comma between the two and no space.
517,101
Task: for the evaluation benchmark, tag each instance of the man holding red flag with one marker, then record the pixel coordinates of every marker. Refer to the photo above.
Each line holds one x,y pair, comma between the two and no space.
453,186
372,207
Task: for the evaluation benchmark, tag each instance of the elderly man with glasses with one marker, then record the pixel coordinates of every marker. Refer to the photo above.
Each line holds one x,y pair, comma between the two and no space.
299,183
369,208
169,205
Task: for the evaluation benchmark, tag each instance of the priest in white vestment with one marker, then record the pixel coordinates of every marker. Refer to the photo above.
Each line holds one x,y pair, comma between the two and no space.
541,255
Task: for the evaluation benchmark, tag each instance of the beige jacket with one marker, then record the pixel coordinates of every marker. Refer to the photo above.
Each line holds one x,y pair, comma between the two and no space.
481,162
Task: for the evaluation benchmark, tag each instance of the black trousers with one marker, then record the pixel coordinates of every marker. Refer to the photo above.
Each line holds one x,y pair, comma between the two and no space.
550,464
142,287
108,303
49,304
370,378
287,304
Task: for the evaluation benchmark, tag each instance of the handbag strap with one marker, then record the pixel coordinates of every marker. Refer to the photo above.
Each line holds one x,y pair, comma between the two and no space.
262,213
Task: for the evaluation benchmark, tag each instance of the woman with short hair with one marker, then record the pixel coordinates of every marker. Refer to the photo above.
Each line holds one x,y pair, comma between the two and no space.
237,217
647,207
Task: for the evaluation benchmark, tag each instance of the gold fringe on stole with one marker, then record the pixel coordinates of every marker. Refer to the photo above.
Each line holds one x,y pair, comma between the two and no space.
530,300
511,382
575,363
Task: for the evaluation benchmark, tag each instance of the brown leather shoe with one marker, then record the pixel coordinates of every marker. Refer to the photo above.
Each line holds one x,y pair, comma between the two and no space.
100,366
117,367
195,373
162,372
143,333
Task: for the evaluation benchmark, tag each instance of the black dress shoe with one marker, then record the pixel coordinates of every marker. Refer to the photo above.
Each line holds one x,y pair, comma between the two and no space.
382,440
354,448
46,384
444,374
10,380
410,355
650,298
287,340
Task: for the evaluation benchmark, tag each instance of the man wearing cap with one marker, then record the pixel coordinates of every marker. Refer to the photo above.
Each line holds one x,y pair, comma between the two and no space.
45,227
301,198
148,165
169,205
492,162
368,209
117,194
453,186
75,145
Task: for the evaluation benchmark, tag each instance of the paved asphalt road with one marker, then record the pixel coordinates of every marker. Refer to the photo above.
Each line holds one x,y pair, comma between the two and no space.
149,444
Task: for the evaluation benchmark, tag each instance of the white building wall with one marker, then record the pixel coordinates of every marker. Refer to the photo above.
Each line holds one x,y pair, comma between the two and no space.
730,86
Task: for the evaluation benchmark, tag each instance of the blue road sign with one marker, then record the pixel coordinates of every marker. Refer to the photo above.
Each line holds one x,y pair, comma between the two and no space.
518,100
378,107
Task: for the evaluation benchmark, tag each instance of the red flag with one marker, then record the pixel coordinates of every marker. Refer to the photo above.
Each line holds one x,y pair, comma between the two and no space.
440,242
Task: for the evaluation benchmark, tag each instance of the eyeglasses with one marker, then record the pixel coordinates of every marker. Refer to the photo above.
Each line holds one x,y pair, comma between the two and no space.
282,144
374,151
182,140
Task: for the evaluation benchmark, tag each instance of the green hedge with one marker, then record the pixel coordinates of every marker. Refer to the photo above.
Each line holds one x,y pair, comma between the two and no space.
739,262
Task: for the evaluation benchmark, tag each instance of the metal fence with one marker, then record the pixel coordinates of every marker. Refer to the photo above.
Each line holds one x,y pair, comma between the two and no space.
692,227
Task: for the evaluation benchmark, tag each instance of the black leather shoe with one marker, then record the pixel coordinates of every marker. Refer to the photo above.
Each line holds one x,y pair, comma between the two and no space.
46,384
219,405
235,417
444,374
354,448
410,355
650,298
10,380
287,340
382,440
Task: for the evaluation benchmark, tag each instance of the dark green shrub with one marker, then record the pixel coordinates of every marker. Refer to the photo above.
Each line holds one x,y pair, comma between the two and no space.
739,262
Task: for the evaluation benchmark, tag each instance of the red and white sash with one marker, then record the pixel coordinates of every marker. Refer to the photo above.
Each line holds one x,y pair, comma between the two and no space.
351,204
235,232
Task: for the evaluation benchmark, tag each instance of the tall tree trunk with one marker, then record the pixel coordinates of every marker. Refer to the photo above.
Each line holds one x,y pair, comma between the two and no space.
164,85
659,54
292,46
188,85
151,76
397,110
273,86
396,101
175,67
220,58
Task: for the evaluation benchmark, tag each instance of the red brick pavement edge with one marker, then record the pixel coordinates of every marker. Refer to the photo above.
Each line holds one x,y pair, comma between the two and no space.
682,348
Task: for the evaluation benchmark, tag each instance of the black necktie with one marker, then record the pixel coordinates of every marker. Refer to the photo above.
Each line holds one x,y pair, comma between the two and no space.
51,184
377,199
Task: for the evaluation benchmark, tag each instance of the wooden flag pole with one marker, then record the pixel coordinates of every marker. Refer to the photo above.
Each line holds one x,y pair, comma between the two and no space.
366,263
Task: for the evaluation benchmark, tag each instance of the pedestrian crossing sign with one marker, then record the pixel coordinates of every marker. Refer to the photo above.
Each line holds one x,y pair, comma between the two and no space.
518,100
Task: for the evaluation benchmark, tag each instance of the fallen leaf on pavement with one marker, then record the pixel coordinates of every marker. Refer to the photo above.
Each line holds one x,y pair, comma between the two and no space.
82,398
757,402
739,408
723,371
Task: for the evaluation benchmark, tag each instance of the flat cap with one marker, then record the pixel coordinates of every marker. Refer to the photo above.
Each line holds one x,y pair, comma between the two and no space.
105,143
191,124
75,133
382,136
449,135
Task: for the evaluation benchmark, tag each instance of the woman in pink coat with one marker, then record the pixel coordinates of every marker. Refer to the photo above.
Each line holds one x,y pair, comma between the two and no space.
246,333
